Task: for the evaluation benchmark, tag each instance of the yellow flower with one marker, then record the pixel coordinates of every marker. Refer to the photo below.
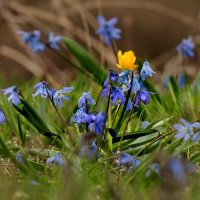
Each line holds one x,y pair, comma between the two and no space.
127,60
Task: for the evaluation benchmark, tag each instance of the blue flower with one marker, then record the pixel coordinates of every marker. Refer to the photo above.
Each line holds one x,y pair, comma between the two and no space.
146,71
20,158
124,77
57,95
105,91
117,95
144,124
54,41
56,159
107,30
143,96
186,47
13,95
80,116
41,89
177,170
99,123
184,130
32,39
85,100
2,117
126,160
181,80
129,105
135,84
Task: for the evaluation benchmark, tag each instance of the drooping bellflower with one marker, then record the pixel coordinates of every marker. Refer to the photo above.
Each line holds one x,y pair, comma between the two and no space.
99,123
32,39
186,47
146,71
58,95
56,159
117,95
85,100
13,95
54,41
142,96
41,89
107,30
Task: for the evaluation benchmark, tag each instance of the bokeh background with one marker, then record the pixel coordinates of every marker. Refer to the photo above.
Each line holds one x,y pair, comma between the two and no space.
151,28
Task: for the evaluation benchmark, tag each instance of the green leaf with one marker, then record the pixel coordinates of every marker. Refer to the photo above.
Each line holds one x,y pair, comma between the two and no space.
134,135
85,59
22,134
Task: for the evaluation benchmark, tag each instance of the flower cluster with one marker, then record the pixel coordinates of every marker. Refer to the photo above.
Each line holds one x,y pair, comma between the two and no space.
117,85
187,130
56,96
33,40
94,122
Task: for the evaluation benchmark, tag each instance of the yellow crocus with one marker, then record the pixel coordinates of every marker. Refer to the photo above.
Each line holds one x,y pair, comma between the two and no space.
126,60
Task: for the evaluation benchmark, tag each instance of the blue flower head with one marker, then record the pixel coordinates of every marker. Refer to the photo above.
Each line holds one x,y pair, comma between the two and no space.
117,95
41,89
99,123
135,84
13,95
2,117
20,158
181,80
144,124
56,159
127,160
85,100
186,47
146,71
58,95
124,77
107,30
32,39
129,105
54,41
144,96
184,130
79,117
177,170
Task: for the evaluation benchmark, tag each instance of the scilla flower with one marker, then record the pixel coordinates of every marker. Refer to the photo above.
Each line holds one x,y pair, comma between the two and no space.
32,39
58,95
56,159
186,47
54,41
41,89
13,95
146,71
107,30
85,99
144,96
117,95
2,117
127,60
